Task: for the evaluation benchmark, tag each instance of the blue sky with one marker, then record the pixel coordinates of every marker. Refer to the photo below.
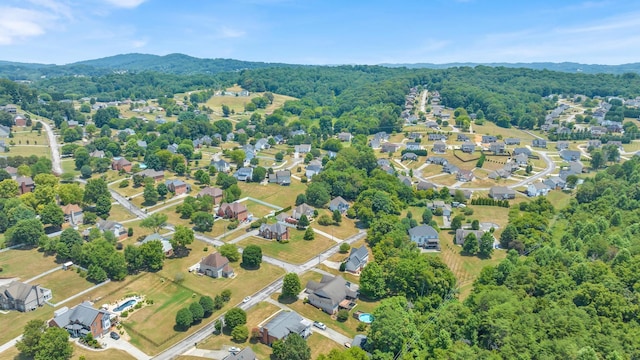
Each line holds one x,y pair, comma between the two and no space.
324,31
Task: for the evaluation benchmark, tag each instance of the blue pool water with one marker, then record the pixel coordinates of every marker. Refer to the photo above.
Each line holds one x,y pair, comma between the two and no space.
125,305
365,318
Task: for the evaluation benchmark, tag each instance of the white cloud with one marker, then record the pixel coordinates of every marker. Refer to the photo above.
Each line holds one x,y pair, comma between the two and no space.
138,43
229,33
17,24
128,4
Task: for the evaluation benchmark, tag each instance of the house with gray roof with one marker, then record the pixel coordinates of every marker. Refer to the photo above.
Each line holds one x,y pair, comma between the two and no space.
468,147
522,150
331,294
437,137
487,139
281,177
574,168
389,147
450,169
358,258
425,185
262,144
167,248
439,147
338,203
562,145
277,231
345,136
537,188
570,155
221,166
244,174
425,237
512,141
555,182
498,148
521,159
539,143
82,320
312,170
409,156
413,146
116,228
461,234
216,266
462,137
5,131
302,149
436,160
142,144
302,209
282,325
501,193
23,297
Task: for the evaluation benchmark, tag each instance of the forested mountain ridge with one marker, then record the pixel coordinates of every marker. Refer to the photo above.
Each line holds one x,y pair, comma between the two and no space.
570,67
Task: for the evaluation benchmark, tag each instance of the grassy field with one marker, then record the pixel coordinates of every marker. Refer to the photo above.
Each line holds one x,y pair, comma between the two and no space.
296,251
258,210
342,231
119,213
321,345
492,129
127,191
69,166
28,150
25,264
559,199
465,268
29,138
14,321
282,196
78,352
64,284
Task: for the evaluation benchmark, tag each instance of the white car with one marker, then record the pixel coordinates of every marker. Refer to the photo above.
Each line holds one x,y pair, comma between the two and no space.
246,299
320,325
234,350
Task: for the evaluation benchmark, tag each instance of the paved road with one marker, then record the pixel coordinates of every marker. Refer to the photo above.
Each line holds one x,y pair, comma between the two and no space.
55,150
8,345
423,101
125,346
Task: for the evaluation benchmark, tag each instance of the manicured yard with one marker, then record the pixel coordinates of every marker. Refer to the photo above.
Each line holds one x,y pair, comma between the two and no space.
28,150
273,194
119,213
258,210
25,264
13,323
321,345
342,231
296,251
64,283
69,166
559,199
29,138
78,352
493,129
127,191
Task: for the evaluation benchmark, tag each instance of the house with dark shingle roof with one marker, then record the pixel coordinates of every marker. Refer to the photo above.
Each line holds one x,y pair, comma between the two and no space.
277,231
539,143
330,294
215,193
82,320
358,258
461,234
425,236
167,248
338,203
302,209
246,354
216,266
501,193
468,147
23,297
233,211
282,325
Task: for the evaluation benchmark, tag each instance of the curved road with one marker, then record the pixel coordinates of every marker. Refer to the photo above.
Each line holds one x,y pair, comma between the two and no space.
55,149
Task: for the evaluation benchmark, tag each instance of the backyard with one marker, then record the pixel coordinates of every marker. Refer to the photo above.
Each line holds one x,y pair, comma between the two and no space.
63,284
296,251
25,263
282,196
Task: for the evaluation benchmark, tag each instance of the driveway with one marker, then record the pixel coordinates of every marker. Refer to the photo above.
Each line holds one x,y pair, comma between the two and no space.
124,345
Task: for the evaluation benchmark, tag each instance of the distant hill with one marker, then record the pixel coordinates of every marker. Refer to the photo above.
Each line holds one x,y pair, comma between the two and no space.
181,64
570,67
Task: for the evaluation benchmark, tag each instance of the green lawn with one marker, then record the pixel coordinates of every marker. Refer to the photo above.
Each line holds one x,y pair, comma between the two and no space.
282,196
63,284
119,213
296,251
258,210
69,166
78,352
28,150
25,264
559,199
342,231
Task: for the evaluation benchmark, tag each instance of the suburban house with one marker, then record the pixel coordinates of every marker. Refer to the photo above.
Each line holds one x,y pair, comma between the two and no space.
5,131
262,144
383,162
221,166
413,146
23,297
501,193
277,231
72,214
121,164
570,155
389,147
116,228
142,144
10,108
436,160
173,148
512,141
537,189
498,148
574,168
177,186
233,211
518,151
302,149
555,183
345,136
25,184
409,156
281,177
439,147
244,174
153,174
487,139
539,143
167,248
205,140
406,180
338,203
425,237
521,159
82,320
302,209
450,169
468,147
331,294
594,143
375,144
462,137
425,185
283,324
312,170
461,234
20,120
467,193
216,266
562,145
437,137
465,175
246,354
215,193
97,154
358,258
13,172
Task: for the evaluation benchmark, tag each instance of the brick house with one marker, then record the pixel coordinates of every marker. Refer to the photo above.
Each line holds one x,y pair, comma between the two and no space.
233,211
121,164
215,193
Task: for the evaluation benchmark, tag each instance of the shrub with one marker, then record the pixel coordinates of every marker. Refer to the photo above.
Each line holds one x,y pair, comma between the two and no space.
240,333
124,314
205,249
361,327
343,266
130,232
467,211
149,301
123,184
343,315
233,225
138,305
325,220
344,248
119,246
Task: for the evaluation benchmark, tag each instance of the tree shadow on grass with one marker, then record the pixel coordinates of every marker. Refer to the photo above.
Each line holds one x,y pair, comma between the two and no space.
286,299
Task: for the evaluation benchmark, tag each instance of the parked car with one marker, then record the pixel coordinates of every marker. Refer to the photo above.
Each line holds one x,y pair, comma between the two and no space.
320,325
347,345
114,335
246,299
234,350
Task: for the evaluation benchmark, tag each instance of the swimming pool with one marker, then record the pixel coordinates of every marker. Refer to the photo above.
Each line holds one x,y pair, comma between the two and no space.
125,305
365,318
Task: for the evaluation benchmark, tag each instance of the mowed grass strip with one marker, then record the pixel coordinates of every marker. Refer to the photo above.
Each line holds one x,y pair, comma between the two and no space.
64,283
26,263
282,196
296,251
